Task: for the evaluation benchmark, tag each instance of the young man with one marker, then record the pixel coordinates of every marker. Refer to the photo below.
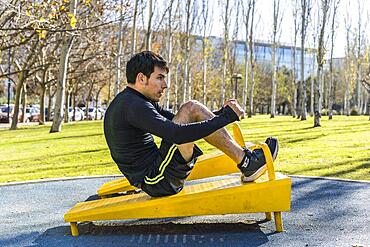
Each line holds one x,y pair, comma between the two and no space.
134,115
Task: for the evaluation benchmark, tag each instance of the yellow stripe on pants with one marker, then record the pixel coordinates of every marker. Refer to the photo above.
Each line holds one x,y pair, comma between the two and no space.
162,167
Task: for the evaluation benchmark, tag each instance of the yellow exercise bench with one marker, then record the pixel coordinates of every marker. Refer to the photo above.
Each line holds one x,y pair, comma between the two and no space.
224,196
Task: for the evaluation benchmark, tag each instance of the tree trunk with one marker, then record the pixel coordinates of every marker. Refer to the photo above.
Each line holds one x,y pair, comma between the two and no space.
251,57
74,103
246,55
312,89
148,35
294,81
42,104
96,102
22,78
204,52
169,57
66,106
320,63
303,90
64,56
133,34
274,62
204,56
176,88
187,48
225,51
17,100
24,103
358,70
49,101
119,54
43,91
348,66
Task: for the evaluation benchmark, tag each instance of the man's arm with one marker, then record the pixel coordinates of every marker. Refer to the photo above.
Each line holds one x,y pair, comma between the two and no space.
167,114
218,112
151,121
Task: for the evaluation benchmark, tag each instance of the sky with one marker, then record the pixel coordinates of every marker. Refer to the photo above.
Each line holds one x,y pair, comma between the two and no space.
264,13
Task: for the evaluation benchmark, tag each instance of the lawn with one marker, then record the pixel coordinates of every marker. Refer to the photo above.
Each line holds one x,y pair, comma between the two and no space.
340,148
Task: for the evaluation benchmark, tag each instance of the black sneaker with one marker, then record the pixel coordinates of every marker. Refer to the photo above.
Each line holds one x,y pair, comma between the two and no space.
253,164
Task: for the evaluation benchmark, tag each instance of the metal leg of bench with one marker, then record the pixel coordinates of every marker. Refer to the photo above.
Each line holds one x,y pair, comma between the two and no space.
278,222
268,216
74,229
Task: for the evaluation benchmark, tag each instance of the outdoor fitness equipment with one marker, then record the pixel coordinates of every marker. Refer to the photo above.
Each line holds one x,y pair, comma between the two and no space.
269,193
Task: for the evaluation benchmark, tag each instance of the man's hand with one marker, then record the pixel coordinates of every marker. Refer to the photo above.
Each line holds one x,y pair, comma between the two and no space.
235,107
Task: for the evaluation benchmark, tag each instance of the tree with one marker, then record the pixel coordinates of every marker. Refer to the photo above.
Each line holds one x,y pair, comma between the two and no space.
294,50
119,52
148,36
64,56
225,48
331,81
187,48
358,57
277,18
206,27
320,62
305,9
23,75
133,34
247,6
169,52
251,59
347,22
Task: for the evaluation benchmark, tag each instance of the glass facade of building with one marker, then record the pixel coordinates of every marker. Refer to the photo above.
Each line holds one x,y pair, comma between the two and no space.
262,55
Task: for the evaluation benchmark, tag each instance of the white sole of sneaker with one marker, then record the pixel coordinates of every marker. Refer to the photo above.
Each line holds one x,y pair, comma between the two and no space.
275,151
255,175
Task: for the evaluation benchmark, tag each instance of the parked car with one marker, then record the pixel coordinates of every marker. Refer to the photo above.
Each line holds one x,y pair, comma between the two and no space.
4,114
79,114
92,113
32,114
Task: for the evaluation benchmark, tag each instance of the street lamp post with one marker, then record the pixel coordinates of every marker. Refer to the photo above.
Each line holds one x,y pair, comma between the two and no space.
236,77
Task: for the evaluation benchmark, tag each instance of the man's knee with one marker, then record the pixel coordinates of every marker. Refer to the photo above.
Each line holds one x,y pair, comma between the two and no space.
192,111
192,106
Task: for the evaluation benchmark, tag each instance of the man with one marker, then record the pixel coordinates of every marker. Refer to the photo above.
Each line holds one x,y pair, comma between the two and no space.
134,115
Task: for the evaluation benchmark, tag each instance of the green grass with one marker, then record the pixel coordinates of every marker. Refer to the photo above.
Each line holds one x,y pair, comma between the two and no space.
340,148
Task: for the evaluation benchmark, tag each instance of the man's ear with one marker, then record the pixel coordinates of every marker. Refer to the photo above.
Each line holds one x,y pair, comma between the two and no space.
140,78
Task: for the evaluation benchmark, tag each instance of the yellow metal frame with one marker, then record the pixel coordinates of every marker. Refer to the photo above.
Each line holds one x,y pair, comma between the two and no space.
270,193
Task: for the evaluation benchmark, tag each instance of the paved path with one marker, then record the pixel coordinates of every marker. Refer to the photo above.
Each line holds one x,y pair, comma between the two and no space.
324,213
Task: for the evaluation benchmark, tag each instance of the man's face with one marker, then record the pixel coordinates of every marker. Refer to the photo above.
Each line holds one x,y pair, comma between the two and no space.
156,84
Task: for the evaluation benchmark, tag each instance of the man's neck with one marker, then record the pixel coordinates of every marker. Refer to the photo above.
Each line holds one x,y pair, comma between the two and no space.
132,86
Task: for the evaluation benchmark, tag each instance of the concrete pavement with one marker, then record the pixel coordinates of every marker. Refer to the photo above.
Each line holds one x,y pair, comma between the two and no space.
324,213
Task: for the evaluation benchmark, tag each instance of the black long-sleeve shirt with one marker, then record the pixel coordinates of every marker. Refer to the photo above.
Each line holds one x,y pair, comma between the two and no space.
130,121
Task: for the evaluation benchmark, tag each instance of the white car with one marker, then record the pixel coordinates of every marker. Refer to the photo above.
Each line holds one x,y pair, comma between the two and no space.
92,113
79,114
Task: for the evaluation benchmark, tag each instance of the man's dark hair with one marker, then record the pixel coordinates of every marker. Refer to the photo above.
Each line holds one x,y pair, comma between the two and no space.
144,62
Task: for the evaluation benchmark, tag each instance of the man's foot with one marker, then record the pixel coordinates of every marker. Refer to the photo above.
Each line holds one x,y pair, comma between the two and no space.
253,164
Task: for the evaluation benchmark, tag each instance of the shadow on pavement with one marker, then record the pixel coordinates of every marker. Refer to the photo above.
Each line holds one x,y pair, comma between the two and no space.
113,234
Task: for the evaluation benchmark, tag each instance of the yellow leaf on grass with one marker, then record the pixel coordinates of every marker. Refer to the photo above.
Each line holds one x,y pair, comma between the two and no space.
73,20
42,35
28,13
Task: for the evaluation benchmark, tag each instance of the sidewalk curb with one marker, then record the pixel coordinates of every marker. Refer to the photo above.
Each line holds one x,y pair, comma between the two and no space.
120,175
58,179
330,178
